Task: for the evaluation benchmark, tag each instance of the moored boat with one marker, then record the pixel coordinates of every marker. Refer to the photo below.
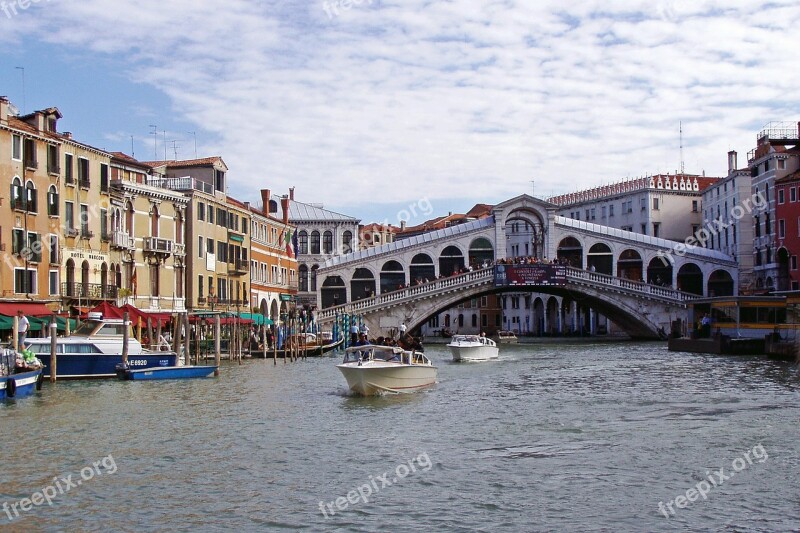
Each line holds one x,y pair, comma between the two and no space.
506,337
374,369
473,348
17,381
95,349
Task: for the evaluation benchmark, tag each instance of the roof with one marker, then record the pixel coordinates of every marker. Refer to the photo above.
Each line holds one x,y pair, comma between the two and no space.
380,227
416,240
205,161
480,211
678,183
794,176
302,212
18,124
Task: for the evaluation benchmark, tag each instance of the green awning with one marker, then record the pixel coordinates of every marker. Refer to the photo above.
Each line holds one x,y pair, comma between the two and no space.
257,319
236,238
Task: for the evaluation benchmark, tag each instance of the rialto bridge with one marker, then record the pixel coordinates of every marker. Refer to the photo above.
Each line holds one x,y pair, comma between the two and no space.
639,282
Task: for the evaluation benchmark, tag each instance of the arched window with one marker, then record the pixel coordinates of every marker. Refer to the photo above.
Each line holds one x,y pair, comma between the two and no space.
302,242
154,216
179,227
31,203
315,243
314,277
327,242
347,242
16,193
303,281
129,218
52,201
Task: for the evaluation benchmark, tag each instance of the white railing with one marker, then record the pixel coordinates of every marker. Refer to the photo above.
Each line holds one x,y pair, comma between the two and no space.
575,276
121,239
157,245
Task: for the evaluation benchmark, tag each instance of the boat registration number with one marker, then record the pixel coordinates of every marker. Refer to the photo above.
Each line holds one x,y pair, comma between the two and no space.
139,362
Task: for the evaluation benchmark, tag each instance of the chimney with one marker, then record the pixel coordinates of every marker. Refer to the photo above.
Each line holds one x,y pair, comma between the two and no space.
3,109
732,161
67,134
285,207
265,194
291,193
402,225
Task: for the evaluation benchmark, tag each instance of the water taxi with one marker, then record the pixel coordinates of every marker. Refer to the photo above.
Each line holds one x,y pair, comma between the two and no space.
374,369
473,348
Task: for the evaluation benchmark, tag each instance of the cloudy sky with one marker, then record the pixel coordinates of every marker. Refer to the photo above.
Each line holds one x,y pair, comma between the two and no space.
374,106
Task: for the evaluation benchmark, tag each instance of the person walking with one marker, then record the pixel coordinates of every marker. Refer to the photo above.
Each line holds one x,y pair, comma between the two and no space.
24,324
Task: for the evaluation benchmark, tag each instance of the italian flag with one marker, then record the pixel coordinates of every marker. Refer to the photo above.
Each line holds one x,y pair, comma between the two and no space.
287,237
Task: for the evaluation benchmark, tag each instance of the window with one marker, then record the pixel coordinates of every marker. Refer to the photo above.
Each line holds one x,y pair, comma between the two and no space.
53,158
327,243
794,262
69,178
52,201
210,214
767,224
17,194
603,212
592,213
104,224
29,154
201,246
17,241
53,282
219,180
657,228
315,242
793,194
200,286
210,246
69,215
302,242
644,229
781,229
31,202
25,281
655,204
103,177
611,210
83,172
222,252
643,203
757,225
694,206
781,164
84,220
201,211
53,249
780,195
347,242
16,148
587,214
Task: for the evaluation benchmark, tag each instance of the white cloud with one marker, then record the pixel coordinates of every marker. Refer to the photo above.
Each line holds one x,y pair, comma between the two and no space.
391,100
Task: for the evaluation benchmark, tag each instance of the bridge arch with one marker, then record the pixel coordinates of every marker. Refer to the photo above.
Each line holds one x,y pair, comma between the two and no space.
720,283
690,279
600,259
481,251
659,272
333,292
393,276
525,231
570,250
362,284
451,260
421,268
630,265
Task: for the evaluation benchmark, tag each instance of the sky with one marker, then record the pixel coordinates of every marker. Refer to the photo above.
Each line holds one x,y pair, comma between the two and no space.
390,109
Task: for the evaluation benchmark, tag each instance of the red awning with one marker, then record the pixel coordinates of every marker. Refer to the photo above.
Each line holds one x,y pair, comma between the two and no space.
29,308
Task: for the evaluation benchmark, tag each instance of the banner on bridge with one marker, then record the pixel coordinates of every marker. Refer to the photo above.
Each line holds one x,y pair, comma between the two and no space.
530,275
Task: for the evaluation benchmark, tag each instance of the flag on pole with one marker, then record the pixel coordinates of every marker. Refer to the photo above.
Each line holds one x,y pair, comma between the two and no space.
288,240
134,282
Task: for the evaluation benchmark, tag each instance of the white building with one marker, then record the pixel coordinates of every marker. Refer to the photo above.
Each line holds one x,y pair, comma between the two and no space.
720,201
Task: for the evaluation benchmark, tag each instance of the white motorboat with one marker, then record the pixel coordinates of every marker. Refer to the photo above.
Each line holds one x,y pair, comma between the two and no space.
506,337
473,348
373,369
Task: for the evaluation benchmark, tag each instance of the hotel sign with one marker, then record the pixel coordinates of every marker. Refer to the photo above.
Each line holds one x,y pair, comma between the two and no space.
530,275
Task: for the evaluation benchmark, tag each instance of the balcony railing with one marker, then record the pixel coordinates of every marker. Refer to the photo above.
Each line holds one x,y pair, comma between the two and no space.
53,169
73,232
239,267
89,291
156,245
85,183
69,180
185,183
86,233
120,240
31,164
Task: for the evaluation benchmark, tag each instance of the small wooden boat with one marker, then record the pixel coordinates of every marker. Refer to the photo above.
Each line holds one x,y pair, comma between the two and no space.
165,372
308,344
506,337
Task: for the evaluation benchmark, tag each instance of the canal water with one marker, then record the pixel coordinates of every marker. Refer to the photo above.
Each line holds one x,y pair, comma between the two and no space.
568,437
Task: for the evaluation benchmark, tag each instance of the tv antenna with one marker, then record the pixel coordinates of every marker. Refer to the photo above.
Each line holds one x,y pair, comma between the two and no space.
680,135
194,134
154,133
175,148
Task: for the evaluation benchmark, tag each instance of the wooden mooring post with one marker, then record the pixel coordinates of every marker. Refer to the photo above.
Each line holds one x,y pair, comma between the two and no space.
217,344
53,344
125,337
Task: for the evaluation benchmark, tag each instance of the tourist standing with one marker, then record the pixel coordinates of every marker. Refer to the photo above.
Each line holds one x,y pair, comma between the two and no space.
22,330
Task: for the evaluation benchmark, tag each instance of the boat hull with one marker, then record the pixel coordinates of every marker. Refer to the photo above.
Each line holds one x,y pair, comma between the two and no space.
83,366
166,372
371,380
26,384
474,353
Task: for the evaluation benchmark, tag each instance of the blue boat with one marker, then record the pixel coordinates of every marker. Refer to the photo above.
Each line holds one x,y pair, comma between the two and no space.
95,350
16,382
167,372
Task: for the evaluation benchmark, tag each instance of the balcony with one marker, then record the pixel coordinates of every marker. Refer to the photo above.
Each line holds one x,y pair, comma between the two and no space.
53,169
89,291
84,183
31,164
120,240
239,267
158,246
69,180
185,183
179,249
86,233
73,232
201,300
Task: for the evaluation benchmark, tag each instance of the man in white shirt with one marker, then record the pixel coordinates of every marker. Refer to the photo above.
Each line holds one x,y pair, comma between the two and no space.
402,329
22,330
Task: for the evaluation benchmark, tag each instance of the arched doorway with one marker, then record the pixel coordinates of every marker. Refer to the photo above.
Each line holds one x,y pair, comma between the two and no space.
690,279
600,259
629,265
393,276
570,252
659,272
481,251
538,317
362,285
421,269
334,291
104,280
85,279
720,283
552,316
451,261
273,311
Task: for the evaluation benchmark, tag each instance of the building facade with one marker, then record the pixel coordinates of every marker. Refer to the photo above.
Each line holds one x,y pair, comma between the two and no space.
776,155
787,213
273,264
